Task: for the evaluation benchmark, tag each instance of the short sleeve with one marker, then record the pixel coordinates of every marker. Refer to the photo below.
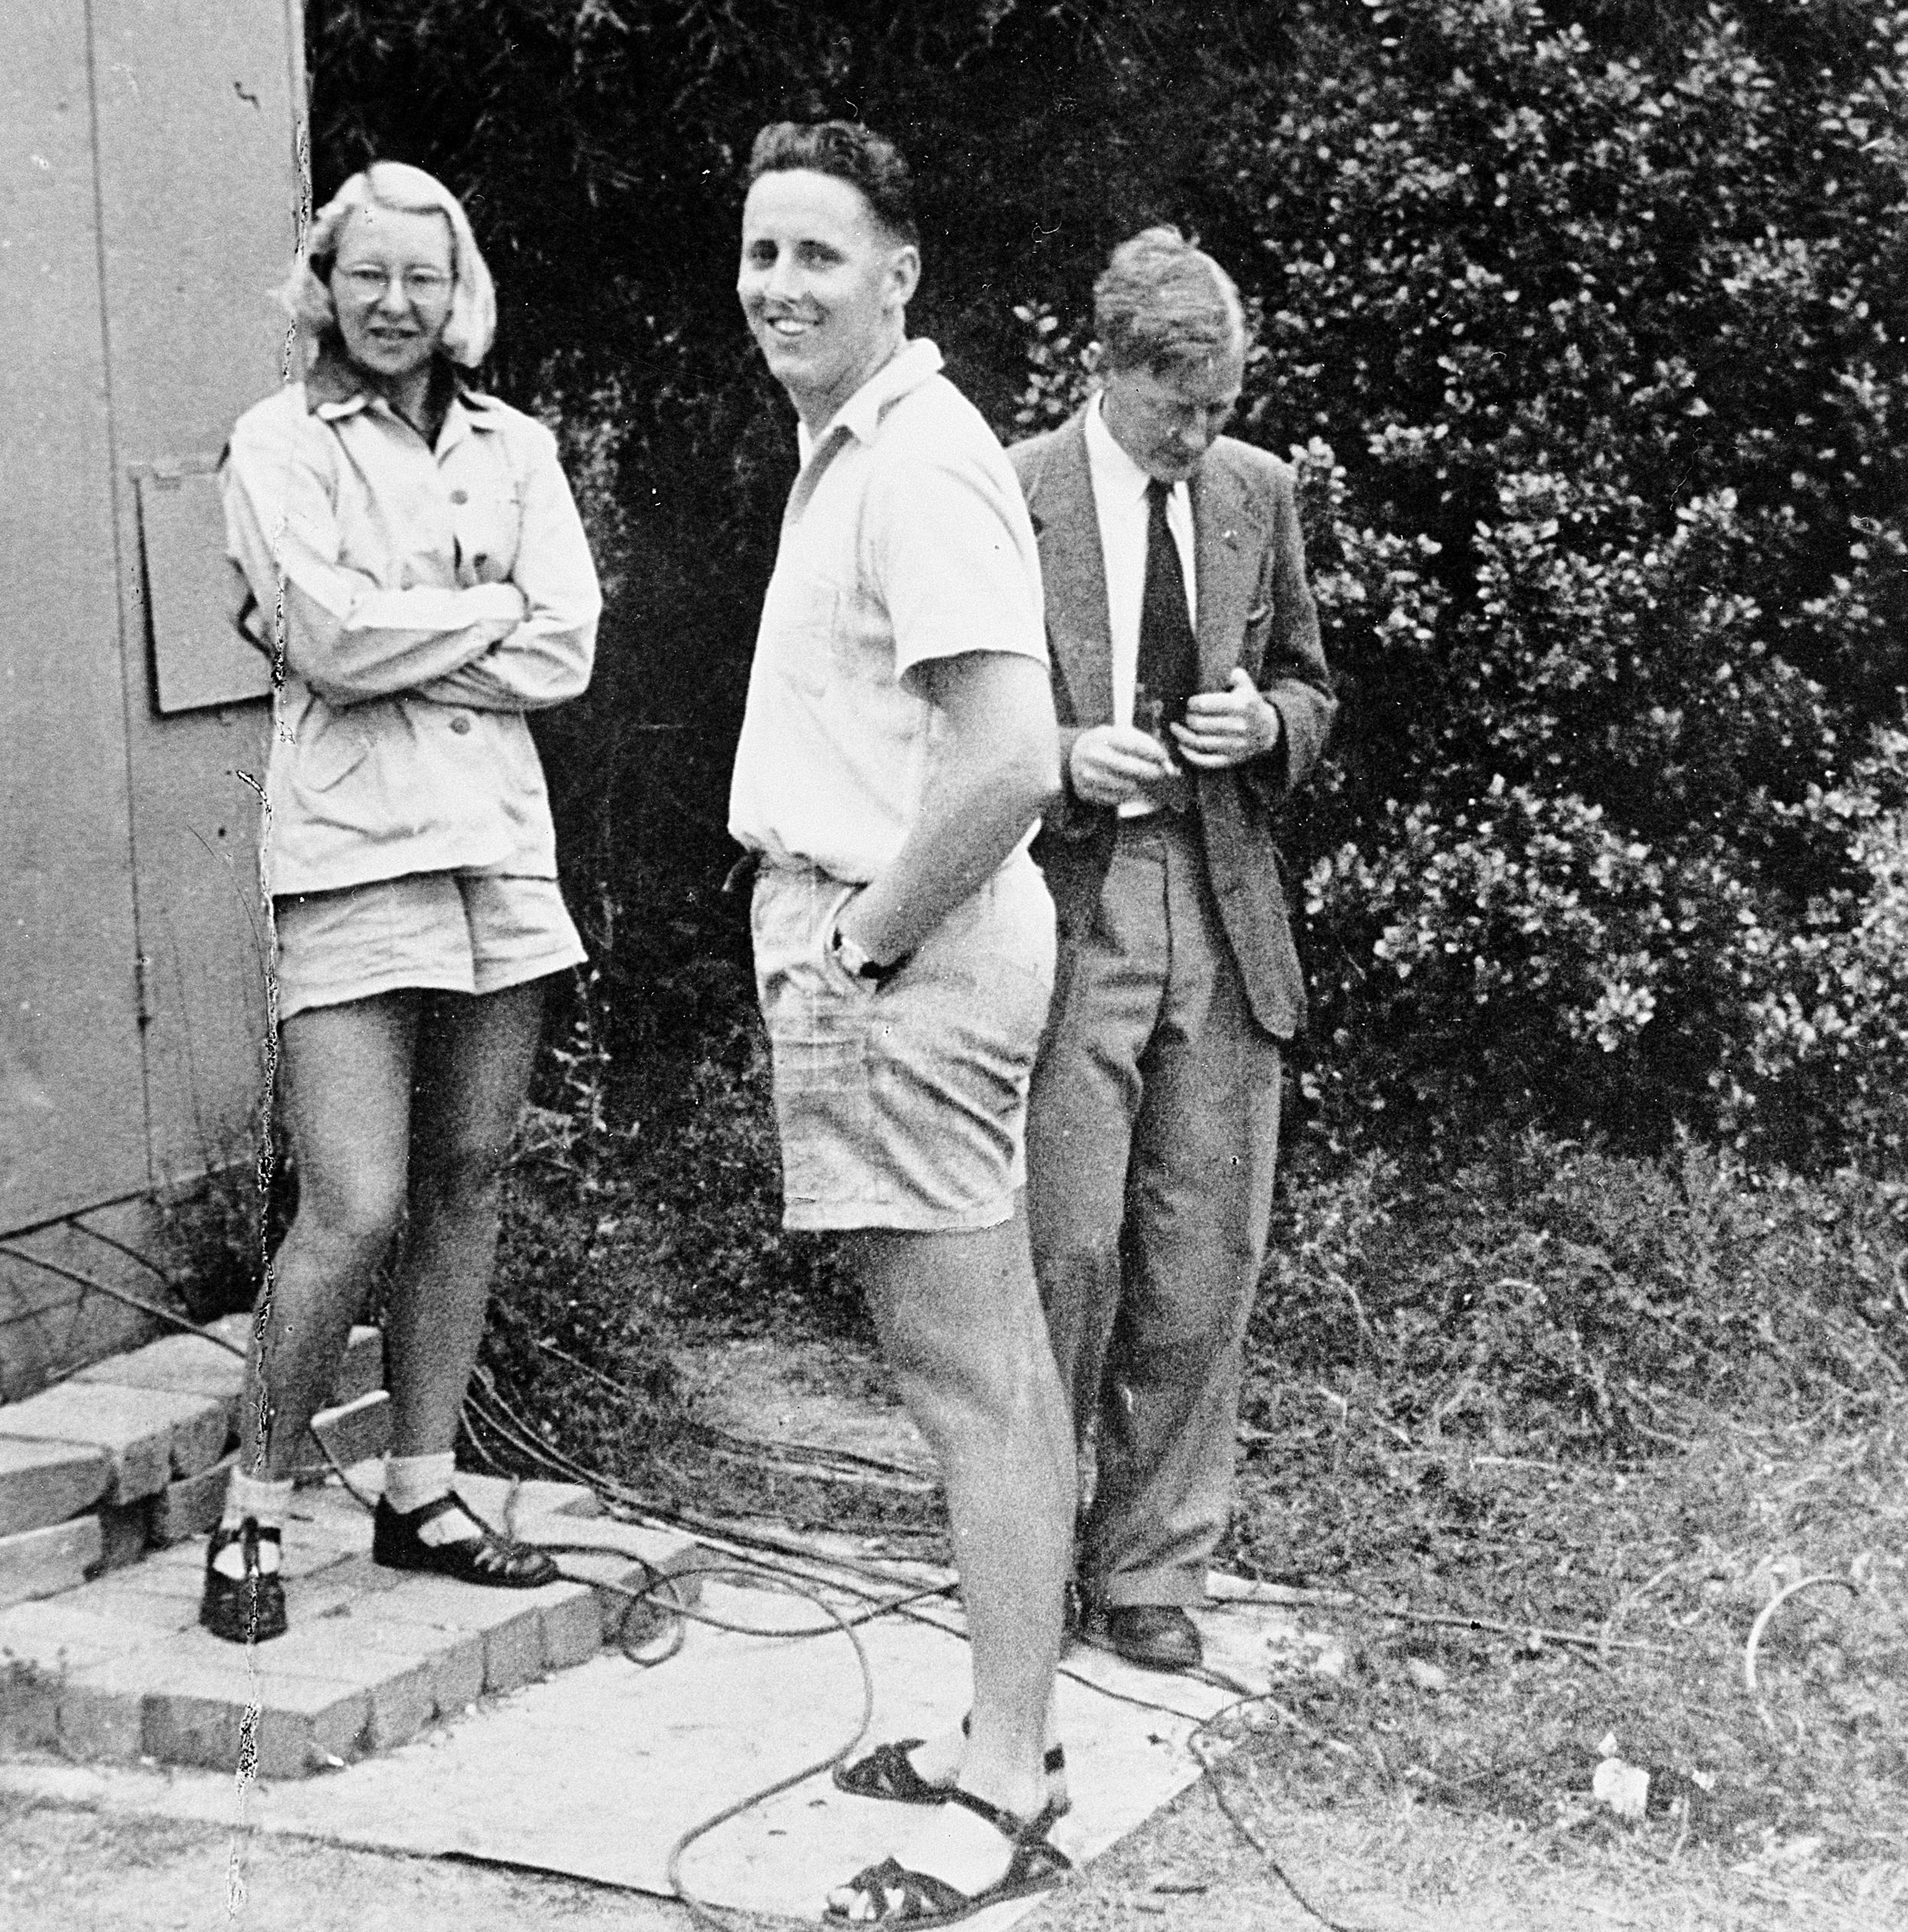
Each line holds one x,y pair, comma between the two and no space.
955,558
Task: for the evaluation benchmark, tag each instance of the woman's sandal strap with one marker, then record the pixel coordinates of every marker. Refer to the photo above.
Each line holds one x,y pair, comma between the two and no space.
439,1506
249,1532
487,1555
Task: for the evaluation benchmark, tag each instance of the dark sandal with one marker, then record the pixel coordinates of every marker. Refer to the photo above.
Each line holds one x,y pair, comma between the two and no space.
247,1609
498,1561
888,1773
889,1893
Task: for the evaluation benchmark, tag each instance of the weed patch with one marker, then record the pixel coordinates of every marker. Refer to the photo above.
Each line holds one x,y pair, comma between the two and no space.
1557,1391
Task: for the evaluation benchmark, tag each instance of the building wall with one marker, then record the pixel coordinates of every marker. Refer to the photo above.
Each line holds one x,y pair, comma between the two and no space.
150,199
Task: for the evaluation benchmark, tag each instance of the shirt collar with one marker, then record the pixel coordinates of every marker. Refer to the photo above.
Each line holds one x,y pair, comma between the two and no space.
860,415
334,389
1117,477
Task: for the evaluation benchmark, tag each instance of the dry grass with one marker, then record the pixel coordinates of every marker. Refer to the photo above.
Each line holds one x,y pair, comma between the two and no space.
1694,1397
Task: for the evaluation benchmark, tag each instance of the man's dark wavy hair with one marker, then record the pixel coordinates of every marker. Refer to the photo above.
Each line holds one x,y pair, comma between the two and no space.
851,153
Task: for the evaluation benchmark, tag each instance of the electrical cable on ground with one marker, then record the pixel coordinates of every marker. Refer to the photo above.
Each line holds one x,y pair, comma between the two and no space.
660,1594
1207,1767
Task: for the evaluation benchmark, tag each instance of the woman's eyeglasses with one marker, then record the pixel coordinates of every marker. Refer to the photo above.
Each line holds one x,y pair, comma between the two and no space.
368,284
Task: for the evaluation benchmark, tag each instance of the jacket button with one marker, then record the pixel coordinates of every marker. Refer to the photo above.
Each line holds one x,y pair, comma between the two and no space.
460,724
460,496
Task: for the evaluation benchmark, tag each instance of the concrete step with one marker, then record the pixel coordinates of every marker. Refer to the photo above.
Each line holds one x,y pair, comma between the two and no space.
118,1669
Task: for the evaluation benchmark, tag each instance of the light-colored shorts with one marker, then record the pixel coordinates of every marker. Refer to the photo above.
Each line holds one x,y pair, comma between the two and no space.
904,1105
447,931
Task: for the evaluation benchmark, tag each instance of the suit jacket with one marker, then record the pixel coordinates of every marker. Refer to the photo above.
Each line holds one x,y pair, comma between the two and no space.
1255,609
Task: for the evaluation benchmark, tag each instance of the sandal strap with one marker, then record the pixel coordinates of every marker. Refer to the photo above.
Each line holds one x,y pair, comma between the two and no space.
888,1773
1027,1832
1055,1761
1004,1822
439,1506
897,1896
489,1549
908,1897
250,1533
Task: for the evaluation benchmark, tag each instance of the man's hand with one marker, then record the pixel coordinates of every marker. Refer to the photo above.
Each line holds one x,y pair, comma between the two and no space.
1110,764
1226,728
997,769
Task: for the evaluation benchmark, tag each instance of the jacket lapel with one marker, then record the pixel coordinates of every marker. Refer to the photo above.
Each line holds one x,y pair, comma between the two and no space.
1074,571
1225,550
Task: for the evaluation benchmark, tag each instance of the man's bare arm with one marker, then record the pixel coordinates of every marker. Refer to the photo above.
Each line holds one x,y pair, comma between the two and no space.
998,769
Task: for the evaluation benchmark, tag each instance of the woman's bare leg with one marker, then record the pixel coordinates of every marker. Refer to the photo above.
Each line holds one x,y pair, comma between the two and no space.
472,1069
346,1071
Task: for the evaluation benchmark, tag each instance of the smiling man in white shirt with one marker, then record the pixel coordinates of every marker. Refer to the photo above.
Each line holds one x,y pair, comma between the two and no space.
896,750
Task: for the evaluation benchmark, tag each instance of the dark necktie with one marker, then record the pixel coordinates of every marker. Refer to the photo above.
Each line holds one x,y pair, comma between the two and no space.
1169,665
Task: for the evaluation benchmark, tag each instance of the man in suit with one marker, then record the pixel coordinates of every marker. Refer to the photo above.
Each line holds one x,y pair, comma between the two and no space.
1192,697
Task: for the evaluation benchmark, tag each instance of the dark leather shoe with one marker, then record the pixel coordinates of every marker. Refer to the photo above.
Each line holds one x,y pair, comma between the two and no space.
247,1609
499,1561
1155,1637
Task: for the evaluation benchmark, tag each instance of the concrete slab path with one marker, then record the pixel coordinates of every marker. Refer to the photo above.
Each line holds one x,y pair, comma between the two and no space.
596,1773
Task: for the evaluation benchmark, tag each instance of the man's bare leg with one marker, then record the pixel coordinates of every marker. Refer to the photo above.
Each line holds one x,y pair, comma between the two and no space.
961,1329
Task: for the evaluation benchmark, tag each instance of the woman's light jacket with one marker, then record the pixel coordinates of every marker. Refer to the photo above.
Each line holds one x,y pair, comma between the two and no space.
424,599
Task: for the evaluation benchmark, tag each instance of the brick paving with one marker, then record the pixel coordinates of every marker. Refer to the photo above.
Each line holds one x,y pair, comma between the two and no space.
118,1670
109,1481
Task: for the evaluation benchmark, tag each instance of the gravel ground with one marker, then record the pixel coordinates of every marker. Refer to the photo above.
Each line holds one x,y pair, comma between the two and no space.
65,1869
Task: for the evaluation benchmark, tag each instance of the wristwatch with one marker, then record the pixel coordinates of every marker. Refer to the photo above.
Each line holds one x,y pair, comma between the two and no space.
854,960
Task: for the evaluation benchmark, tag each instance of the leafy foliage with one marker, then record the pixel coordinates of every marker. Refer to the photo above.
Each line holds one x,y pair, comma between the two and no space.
1586,323
1610,351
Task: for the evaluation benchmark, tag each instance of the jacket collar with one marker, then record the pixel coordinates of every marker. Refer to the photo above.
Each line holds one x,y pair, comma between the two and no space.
1074,570
334,389
1226,544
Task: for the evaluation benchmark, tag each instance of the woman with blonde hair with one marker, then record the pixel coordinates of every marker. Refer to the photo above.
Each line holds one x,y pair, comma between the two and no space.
418,571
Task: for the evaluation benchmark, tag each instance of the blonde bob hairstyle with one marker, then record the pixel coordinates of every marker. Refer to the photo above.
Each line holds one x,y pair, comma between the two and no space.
403,190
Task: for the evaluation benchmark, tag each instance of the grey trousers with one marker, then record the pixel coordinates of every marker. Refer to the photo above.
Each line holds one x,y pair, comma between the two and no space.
1151,1141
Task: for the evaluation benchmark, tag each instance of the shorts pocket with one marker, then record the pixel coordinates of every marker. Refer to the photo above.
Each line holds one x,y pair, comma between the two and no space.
821,1107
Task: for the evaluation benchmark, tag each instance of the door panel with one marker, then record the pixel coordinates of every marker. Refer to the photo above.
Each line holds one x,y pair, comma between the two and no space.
72,1098
201,201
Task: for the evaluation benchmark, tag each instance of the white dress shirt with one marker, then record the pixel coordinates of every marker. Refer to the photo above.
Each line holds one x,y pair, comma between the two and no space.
1120,502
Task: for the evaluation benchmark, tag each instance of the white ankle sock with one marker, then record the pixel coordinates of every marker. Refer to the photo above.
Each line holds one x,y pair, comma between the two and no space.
265,1503
411,1481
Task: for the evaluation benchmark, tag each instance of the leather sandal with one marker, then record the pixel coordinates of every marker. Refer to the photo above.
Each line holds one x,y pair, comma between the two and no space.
247,1609
889,1893
501,1562
888,1773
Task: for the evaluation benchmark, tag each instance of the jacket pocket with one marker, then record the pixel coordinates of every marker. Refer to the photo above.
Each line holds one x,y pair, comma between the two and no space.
330,757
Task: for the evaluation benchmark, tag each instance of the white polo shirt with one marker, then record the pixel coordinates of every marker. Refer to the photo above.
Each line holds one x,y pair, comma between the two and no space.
906,539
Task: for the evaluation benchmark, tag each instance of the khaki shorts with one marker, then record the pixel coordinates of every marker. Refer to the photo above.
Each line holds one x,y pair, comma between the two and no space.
904,1105
448,931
